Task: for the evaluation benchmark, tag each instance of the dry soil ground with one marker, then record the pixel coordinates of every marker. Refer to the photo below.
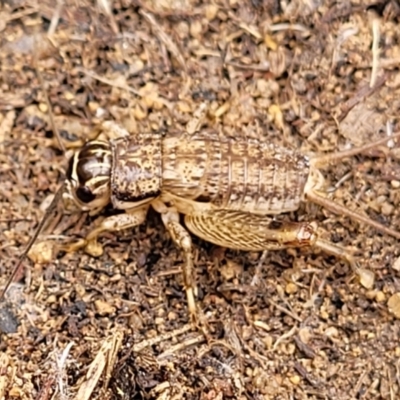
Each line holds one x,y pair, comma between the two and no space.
305,74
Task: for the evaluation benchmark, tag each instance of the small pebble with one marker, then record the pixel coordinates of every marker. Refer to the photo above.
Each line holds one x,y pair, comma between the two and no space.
52,299
104,308
291,288
395,184
305,335
396,264
69,96
394,305
295,379
211,11
380,296
8,321
332,332
43,107
387,209
195,28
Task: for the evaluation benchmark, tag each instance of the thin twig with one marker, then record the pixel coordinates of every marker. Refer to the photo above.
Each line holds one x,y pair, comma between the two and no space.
375,50
56,18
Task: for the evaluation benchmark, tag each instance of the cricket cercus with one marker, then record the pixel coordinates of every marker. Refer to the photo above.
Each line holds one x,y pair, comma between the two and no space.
227,188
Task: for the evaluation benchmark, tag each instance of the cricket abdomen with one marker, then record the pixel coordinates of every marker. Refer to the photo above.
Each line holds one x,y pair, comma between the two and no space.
234,173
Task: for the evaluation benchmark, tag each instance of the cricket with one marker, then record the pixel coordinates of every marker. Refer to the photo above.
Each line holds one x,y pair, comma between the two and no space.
228,190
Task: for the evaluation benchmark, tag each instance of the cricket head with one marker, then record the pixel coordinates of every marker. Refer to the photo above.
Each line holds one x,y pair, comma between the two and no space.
87,186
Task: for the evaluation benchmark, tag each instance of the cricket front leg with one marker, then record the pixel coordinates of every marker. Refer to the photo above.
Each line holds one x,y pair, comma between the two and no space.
129,219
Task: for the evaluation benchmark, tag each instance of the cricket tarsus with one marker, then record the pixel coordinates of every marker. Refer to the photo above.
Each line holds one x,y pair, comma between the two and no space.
48,212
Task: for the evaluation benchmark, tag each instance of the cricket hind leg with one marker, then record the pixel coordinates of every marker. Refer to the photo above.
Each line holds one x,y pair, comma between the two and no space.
251,232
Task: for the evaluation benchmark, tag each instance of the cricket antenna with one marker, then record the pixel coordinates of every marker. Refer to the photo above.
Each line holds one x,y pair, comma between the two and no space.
326,158
44,219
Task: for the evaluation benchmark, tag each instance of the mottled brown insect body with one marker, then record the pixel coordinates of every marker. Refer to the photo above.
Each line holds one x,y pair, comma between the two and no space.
229,173
227,188
234,173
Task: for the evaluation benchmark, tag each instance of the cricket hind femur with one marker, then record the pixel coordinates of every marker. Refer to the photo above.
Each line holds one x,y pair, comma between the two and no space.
89,175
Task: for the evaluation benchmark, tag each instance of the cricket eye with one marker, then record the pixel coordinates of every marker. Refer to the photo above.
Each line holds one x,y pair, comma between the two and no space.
84,194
